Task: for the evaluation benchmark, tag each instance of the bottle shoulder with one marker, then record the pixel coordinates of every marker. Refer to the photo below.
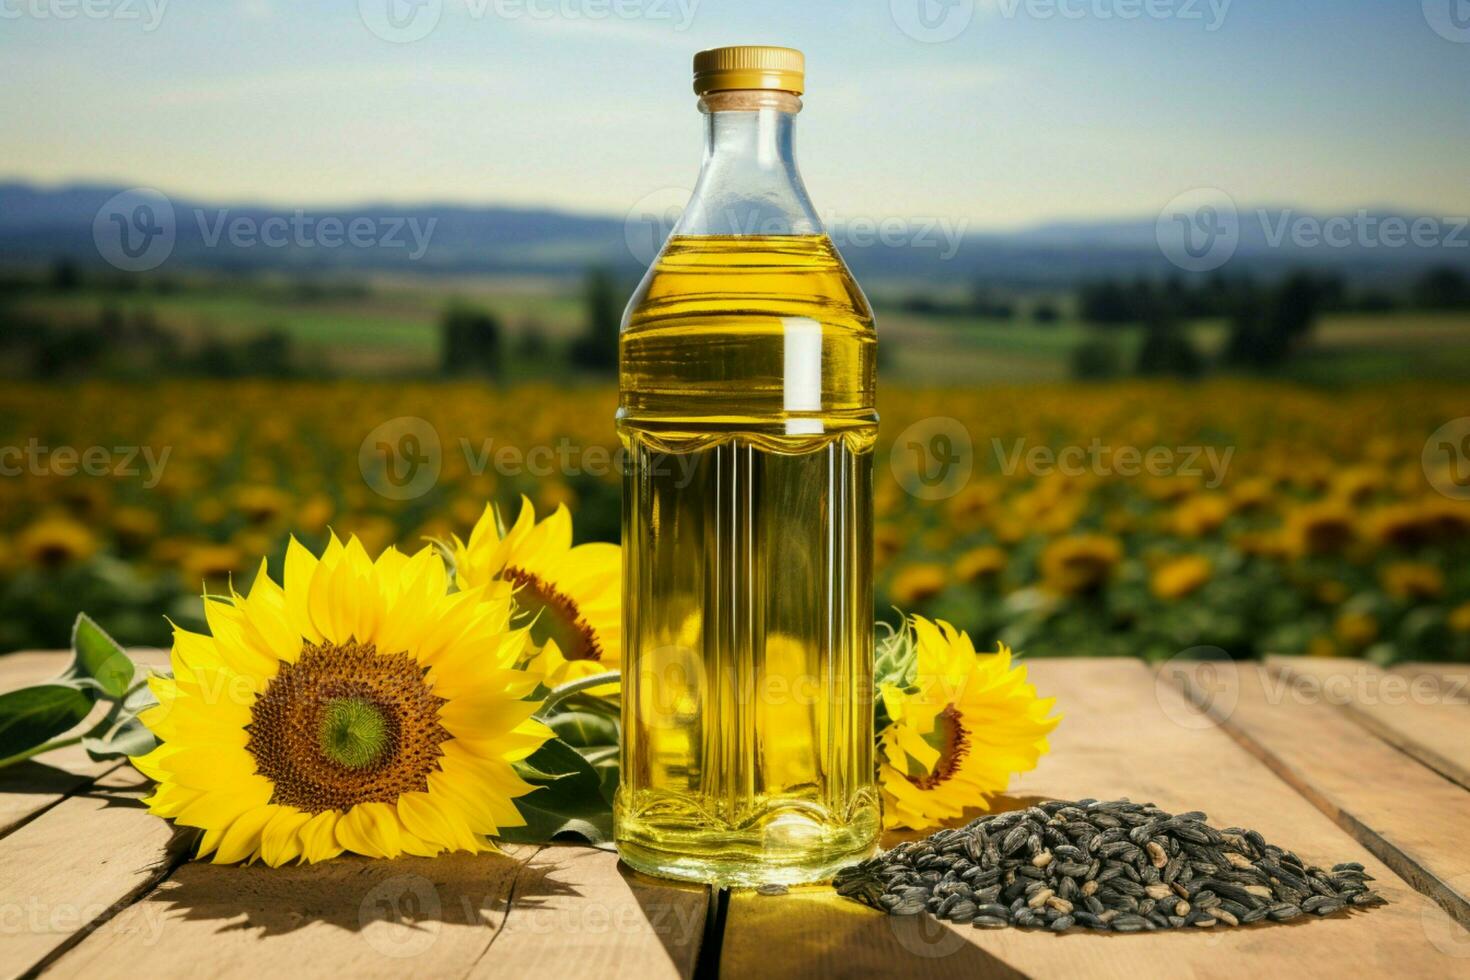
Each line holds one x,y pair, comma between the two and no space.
749,280
763,326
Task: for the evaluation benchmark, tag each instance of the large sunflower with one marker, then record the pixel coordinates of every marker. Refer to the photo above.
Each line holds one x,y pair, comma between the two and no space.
360,708
573,594
961,724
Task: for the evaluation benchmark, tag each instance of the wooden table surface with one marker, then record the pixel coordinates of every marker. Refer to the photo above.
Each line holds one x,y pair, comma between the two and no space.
1336,760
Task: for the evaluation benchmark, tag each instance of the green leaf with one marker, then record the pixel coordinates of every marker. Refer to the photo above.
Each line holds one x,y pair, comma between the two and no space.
130,738
607,762
99,657
583,729
35,715
572,804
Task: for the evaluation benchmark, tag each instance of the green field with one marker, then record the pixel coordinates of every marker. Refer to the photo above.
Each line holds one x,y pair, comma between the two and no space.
389,326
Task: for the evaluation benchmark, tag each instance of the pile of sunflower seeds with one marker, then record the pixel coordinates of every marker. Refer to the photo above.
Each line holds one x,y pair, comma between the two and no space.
1111,866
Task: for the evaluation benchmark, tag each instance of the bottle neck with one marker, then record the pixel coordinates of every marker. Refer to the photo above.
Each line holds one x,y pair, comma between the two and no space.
749,183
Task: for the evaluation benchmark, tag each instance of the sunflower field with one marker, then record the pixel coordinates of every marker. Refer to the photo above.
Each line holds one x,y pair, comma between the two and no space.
1130,519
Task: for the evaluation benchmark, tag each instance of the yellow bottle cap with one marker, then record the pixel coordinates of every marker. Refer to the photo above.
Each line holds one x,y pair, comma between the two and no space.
749,66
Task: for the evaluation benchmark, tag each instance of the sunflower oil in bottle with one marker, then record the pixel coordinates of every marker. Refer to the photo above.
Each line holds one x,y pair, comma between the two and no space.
746,411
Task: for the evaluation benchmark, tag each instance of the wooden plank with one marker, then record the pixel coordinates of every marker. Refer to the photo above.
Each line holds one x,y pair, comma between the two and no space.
1123,735
561,909
30,788
1408,713
1451,681
1411,818
577,909
346,917
558,910
75,866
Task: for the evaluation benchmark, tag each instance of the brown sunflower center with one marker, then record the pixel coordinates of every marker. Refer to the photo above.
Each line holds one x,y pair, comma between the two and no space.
558,617
345,725
952,741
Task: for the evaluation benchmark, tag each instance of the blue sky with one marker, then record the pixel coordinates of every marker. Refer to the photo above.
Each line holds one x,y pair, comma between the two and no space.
1028,114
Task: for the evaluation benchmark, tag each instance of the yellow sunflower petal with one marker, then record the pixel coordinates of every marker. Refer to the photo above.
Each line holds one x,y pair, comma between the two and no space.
242,839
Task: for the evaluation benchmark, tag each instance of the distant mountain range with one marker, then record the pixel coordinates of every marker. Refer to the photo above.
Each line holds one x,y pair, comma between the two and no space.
87,223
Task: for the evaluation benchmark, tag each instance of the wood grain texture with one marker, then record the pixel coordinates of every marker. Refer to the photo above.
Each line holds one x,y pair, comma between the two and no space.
577,909
75,866
558,909
1124,734
30,788
1407,712
347,917
1410,817
1451,681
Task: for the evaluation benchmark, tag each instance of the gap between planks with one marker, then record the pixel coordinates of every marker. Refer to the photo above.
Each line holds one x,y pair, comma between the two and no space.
129,894
31,788
553,909
1124,734
1411,817
1411,713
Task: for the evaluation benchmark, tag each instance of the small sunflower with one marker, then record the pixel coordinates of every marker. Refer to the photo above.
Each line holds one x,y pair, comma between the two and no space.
1079,564
1179,577
573,593
56,540
361,707
918,583
1412,580
982,563
961,724
1321,528
1459,618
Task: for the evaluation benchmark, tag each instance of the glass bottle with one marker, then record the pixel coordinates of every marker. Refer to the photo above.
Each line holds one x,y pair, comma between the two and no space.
746,411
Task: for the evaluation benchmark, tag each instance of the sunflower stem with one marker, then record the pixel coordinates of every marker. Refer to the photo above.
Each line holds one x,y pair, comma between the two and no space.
56,743
577,686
